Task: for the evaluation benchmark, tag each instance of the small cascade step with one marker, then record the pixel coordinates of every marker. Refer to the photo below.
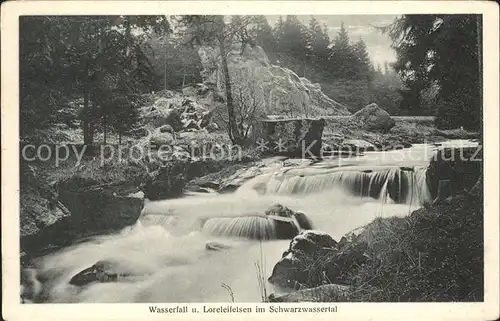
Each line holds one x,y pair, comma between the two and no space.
404,185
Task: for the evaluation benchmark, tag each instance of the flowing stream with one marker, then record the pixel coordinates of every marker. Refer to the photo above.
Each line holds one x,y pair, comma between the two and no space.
164,255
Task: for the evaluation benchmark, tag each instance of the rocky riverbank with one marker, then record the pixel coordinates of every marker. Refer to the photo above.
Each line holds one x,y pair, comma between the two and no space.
62,205
434,254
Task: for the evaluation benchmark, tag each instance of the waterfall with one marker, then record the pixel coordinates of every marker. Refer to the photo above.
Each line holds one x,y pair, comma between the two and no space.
243,214
252,227
400,185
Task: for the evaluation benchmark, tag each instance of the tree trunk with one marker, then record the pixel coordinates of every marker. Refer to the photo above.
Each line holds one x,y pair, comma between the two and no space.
165,71
119,138
184,77
479,22
87,139
233,129
105,125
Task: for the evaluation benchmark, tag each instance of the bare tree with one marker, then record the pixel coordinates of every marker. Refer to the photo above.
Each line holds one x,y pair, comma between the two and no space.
214,31
249,103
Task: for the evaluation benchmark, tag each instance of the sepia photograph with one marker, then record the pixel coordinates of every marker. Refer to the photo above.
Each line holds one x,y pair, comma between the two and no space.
244,158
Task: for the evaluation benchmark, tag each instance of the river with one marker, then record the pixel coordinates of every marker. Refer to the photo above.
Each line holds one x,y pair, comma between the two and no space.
164,254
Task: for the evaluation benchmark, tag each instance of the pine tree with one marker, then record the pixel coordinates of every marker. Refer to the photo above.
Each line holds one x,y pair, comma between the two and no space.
278,32
293,40
342,60
363,63
318,41
263,35
86,56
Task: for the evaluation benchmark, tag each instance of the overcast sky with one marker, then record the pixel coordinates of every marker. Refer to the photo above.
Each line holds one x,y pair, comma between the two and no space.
358,26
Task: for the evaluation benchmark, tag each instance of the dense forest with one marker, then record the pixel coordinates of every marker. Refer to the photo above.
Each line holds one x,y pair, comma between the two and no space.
105,63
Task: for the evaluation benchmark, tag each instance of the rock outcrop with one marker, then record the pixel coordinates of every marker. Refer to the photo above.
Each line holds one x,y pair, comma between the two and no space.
292,269
226,180
314,258
97,208
41,221
43,218
278,89
291,137
374,118
187,112
171,180
461,166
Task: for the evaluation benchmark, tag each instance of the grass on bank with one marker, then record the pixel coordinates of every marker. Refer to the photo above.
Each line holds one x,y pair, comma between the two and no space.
435,254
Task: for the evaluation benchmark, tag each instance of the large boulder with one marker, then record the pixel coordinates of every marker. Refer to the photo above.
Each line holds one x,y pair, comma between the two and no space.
372,117
162,136
462,167
304,249
163,103
43,224
97,208
280,88
314,258
291,137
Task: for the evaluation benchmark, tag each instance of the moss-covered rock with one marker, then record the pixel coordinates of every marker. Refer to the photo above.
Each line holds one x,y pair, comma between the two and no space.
461,166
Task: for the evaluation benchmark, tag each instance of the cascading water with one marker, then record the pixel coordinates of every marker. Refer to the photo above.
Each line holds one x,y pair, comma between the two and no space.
253,227
406,185
164,255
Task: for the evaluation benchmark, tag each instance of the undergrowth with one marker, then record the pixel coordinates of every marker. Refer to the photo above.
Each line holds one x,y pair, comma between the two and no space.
435,254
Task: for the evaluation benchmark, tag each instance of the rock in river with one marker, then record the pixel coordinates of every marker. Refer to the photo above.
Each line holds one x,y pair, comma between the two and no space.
288,223
102,271
304,248
372,117
315,258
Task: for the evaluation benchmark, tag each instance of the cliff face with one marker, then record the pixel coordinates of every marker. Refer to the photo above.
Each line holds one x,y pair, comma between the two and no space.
278,90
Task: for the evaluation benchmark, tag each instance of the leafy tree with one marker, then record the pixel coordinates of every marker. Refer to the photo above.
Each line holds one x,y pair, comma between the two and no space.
427,54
